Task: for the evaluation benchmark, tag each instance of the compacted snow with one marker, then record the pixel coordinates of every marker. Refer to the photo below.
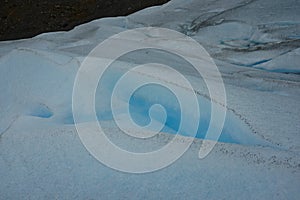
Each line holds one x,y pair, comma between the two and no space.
255,45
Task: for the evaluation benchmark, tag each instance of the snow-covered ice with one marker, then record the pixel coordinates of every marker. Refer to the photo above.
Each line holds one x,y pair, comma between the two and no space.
255,45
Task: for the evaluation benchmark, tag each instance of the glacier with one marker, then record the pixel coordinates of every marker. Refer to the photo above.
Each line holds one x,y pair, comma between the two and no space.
254,43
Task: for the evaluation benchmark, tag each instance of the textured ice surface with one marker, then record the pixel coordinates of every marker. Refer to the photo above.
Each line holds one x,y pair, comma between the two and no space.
254,43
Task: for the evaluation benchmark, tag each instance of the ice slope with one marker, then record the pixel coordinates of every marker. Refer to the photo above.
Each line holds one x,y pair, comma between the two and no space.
256,47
